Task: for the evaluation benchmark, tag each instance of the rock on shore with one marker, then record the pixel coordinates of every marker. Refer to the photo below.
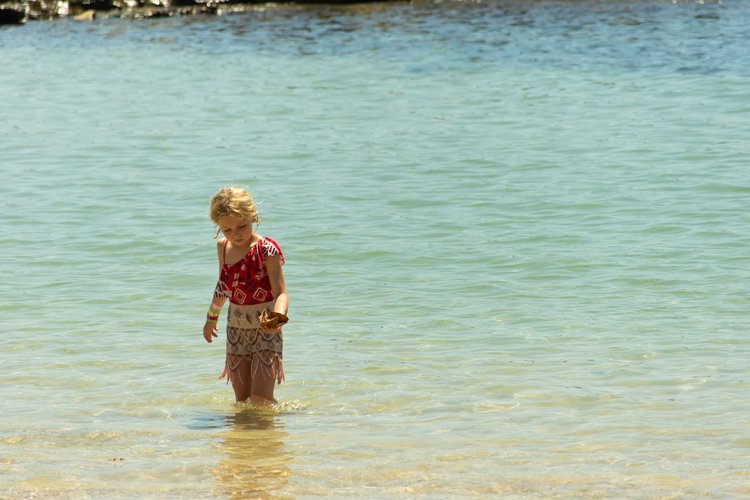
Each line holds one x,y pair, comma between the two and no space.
11,15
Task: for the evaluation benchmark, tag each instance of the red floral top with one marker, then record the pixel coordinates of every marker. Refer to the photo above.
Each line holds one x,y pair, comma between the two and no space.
246,281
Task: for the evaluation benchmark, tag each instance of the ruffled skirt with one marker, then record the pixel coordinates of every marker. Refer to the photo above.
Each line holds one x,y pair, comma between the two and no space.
246,340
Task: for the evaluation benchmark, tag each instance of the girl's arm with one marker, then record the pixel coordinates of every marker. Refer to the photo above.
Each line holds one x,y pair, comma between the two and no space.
210,328
278,286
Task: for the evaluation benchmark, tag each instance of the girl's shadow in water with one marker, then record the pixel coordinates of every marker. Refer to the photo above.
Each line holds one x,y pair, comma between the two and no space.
255,464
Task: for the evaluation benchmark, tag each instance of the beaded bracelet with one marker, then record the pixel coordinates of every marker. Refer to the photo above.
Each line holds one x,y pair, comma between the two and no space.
212,316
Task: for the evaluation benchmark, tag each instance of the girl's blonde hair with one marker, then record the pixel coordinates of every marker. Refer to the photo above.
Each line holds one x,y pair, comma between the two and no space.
234,201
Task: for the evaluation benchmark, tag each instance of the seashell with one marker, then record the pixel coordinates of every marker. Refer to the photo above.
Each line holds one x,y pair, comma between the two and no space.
272,320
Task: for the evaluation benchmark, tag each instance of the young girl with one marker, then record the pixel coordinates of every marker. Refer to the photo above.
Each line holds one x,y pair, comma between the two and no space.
250,276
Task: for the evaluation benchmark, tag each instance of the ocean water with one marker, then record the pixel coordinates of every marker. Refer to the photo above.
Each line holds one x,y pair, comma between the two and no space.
516,236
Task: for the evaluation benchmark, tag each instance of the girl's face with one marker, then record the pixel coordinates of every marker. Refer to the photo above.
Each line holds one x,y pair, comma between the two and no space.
237,231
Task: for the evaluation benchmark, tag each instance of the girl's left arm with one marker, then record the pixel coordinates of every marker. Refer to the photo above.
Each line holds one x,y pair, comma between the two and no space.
278,286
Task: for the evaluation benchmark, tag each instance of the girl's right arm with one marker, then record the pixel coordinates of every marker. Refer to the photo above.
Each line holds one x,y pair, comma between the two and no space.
210,328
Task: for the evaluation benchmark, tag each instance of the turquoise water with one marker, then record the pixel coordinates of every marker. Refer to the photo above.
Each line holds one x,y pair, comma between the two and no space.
516,238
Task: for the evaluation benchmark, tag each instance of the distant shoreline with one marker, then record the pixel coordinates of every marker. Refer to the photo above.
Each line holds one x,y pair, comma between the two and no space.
19,12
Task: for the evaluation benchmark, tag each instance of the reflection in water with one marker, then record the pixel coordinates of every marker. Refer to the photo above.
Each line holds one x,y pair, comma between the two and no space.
255,465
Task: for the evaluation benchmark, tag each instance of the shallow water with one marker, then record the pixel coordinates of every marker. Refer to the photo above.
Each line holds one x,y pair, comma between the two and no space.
516,239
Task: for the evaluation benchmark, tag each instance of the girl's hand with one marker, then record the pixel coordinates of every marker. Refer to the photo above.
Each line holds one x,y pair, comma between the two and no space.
270,329
210,330
272,322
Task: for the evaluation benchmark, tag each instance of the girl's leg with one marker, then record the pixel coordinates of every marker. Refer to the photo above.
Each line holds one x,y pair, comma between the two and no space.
242,381
263,383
